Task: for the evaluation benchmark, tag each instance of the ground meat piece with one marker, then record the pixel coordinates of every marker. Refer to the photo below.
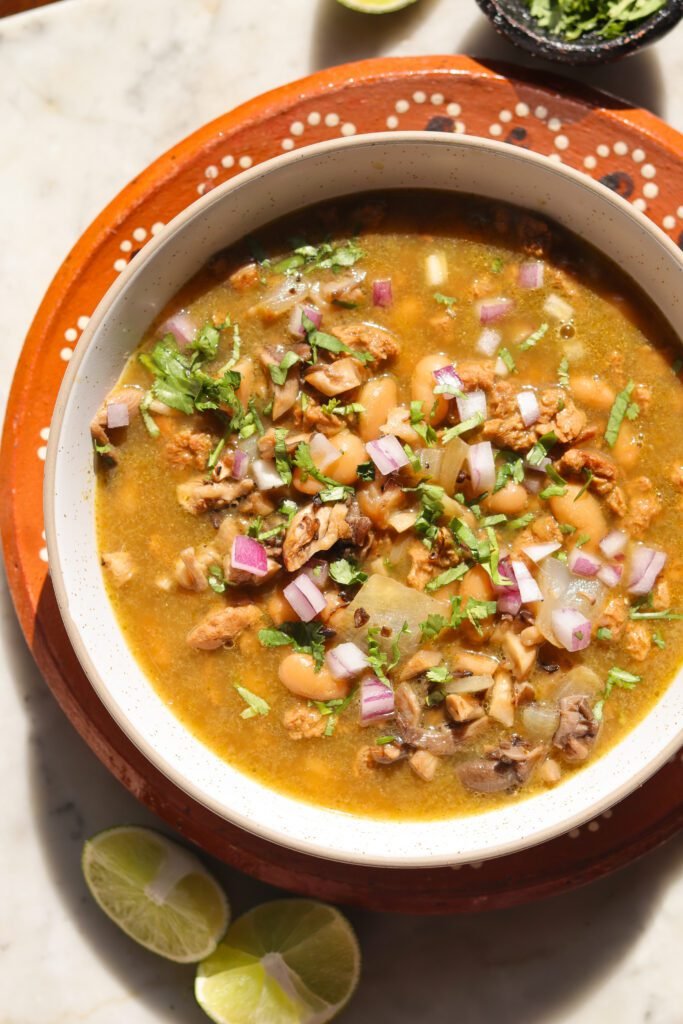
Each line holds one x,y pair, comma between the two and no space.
522,658
614,617
368,338
616,501
477,375
644,506
197,496
303,723
535,235
559,414
577,461
661,595
314,528
336,378
385,753
120,566
314,417
257,504
577,730
637,640
222,626
246,277
189,448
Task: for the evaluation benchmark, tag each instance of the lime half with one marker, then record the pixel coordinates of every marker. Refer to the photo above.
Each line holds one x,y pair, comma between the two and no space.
156,892
285,962
376,6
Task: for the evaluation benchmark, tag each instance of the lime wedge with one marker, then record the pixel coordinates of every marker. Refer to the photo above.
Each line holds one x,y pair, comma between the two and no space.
376,6
156,892
285,962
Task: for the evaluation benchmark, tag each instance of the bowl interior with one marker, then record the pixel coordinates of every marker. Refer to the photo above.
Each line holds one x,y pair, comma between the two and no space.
398,160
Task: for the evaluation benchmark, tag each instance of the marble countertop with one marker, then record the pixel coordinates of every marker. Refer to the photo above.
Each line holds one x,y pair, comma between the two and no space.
90,92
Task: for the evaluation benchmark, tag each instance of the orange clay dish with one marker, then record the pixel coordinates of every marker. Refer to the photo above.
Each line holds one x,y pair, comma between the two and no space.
387,505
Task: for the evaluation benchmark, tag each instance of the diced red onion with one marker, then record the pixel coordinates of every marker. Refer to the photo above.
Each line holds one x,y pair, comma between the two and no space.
249,556
646,565
482,467
382,294
532,484
296,319
376,700
537,552
529,589
509,598
266,475
387,454
582,563
446,376
323,452
556,306
488,342
571,628
610,575
317,570
304,597
491,310
118,415
614,543
240,464
538,467
528,407
181,327
346,661
531,274
471,404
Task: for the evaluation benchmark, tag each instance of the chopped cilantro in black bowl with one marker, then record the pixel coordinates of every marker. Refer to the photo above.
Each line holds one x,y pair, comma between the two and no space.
582,31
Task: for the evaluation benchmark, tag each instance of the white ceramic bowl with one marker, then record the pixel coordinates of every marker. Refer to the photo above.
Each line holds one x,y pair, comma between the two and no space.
396,160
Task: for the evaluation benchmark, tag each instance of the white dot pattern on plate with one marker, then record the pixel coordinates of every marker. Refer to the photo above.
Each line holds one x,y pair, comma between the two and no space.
590,162
296,128
554,124
401,106
620,148
392,121
541,113
348,128
331,120
42,453
245,162
453,109
640,204
314,118
638,155
228,161
156,227
66,354
287,144
44,433
70,334
42,554
562,142
419,96
436,99
139,234
211,171
522,110
496,129
669,222
650,190
602,150
648,171
505,116
126,245
83,322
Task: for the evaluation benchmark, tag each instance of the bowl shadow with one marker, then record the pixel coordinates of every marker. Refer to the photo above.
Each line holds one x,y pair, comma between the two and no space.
558,948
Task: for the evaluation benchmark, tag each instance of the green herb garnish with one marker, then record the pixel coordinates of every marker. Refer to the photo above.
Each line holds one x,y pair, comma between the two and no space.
282,463
563,372
304,637
347,573
620,678
462,428
318,339
604,633
575,18
256,705
446,577
278,371
420,426
508,361
444,300
619,409
534,338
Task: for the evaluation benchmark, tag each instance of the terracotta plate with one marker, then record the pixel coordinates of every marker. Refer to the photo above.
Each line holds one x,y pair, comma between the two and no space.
629,150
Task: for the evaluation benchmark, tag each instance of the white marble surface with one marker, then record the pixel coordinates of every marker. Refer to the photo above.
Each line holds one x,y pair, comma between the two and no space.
90,91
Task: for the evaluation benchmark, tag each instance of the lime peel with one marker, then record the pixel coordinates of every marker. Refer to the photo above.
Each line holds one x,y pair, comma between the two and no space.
376,6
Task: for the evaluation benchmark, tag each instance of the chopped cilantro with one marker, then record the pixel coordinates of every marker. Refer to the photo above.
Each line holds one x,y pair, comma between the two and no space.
446,577
552,491
432,626
572,19
347,573
444,300
412,458
540,450
147,418
256,705
304,461
567,528
506,356
103,449
521,522
497,264
383,740
281,455
180,381
473,610
380,661
278,371
326,256
421,428
216,579
620,678
589,476
318,339
366,470
563,373
336,407
512,469
616,417
534,338
582,539
462,428
431,509
604,633
439,674
665,615
658,640
304,637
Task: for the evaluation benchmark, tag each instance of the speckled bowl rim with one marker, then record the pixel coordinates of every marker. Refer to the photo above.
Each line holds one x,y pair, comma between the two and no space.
395,844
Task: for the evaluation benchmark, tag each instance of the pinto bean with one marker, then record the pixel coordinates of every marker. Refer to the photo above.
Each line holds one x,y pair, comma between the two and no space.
626,450
592,391
510,500
422,387
352,454
585,513
297,673
377,397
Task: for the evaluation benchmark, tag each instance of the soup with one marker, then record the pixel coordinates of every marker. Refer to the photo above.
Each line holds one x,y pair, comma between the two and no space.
388,502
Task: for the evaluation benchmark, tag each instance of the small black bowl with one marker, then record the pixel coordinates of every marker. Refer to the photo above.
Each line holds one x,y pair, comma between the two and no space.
512,19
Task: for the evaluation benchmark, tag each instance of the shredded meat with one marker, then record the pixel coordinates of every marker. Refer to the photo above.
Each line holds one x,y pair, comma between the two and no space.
120,566
256,504
336,378
419,663
359,525
191,570
421,567
368,338
644,506
241,578
189,448
303,723
222,626
522,657
577,460
130,396
505,767
463,707
345,289
439,740
314,528
266,443
424,764
637,640
398,424
284,395
577,730
198,496
314,417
